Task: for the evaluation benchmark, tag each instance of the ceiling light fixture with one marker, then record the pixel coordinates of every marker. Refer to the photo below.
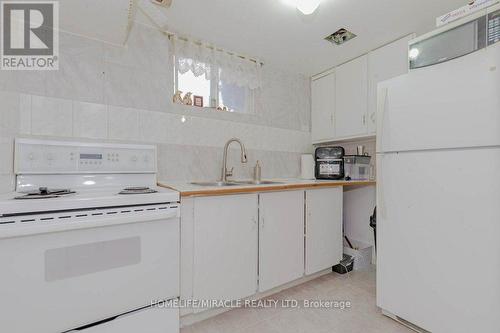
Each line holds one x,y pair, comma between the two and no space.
414,53
306,7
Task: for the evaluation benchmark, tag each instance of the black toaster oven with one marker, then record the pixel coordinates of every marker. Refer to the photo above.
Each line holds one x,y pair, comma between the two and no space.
329,162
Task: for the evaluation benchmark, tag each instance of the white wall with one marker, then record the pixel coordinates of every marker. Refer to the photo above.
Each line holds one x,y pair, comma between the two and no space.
123,93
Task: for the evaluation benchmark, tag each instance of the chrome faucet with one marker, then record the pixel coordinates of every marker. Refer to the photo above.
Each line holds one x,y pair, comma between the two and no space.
228,173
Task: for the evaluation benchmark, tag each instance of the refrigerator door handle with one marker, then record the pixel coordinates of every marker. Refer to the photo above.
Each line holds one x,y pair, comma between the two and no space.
380,189
381,109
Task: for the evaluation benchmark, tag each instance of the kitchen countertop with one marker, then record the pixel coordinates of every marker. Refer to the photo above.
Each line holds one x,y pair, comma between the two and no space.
188,189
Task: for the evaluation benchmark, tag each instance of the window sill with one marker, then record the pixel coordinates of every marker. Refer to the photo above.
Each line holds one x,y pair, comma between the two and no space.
207,112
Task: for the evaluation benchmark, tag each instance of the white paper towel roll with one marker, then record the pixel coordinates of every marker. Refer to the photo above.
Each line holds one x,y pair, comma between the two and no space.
307,166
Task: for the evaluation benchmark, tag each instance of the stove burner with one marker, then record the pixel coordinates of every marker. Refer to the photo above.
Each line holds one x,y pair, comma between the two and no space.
137,190
45,193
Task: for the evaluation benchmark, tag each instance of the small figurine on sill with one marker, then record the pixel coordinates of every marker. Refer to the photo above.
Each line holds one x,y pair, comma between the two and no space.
177,97
187,100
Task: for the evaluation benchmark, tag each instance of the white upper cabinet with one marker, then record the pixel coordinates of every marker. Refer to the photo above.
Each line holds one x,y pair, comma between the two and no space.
351,98
225,247
323,228
385,63
344,103
281,238
323,108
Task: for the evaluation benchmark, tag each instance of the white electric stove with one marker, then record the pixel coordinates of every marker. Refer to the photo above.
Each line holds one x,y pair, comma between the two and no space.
88,242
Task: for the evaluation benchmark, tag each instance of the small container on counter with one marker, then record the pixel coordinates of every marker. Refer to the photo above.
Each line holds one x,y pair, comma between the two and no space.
257,172
357,167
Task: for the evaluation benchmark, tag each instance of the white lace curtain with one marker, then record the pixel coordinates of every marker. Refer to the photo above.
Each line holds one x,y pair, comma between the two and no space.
206,60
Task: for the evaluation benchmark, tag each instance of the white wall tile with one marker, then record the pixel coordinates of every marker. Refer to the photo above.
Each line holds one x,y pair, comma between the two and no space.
90,120
51,116
81,70
9,114
77,78
154,126
146,50
124,93
7,154
129,87
28,82
25,114
7,183
123,123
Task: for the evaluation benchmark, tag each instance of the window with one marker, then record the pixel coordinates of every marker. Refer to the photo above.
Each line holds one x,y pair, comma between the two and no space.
215,92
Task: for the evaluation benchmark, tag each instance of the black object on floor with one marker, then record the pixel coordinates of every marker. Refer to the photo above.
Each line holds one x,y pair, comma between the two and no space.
346,265
373,224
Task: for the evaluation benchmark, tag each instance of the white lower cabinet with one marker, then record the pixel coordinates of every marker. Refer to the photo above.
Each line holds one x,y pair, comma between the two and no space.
323,228
225,247
224,239
281,238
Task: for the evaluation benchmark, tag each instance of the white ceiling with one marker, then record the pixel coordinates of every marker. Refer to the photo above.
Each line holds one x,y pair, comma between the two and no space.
279,35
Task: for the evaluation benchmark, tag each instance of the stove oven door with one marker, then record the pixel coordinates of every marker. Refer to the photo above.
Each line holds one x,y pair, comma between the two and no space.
88,270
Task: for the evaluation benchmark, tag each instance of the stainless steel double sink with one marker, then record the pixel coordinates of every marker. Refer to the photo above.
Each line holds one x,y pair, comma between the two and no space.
236,183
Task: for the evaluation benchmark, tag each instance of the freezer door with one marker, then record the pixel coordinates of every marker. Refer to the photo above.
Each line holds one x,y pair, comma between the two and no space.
450,105
438,238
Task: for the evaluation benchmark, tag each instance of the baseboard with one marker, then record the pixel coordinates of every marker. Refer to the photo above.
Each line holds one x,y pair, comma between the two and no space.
404,322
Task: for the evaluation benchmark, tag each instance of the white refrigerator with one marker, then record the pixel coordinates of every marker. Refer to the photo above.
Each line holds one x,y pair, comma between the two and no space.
438,195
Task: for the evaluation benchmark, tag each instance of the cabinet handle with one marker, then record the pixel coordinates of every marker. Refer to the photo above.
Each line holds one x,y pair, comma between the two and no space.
332,119
364,119
373,117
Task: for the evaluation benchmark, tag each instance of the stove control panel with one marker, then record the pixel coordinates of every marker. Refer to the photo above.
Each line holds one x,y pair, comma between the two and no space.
59,157
494,27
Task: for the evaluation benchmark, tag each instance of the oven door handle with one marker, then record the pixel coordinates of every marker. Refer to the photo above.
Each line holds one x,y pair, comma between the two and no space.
39,227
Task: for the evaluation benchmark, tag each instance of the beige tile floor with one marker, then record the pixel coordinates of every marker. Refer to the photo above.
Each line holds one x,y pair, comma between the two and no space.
362,317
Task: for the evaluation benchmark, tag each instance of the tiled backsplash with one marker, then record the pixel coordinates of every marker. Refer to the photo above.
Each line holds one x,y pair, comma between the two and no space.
113,93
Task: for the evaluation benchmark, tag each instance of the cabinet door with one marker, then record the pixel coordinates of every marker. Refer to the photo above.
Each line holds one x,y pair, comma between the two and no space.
323,228
351,98
385,63
281,238
225,247
323,108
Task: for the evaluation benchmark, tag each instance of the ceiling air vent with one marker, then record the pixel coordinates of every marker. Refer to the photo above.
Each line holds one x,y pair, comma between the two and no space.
164,3
340,36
